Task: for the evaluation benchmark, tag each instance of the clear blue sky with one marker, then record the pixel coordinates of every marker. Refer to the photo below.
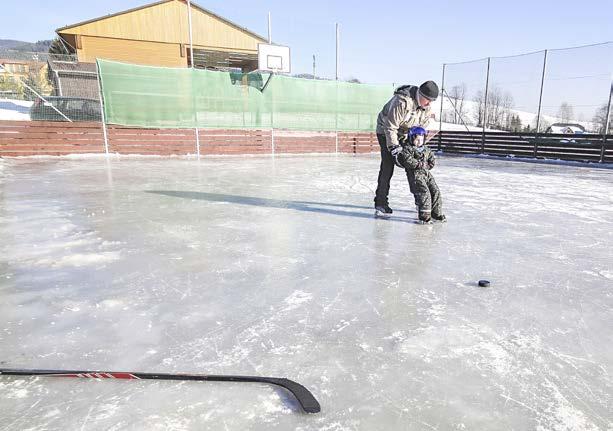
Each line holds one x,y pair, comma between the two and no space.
382,41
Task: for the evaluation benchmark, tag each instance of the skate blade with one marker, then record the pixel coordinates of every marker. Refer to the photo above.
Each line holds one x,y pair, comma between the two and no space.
381,214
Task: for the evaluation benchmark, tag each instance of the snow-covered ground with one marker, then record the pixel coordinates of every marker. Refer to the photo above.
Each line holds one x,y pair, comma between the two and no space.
14,110
275,267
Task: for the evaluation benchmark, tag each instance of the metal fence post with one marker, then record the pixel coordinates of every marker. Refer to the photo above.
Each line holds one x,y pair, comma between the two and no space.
336,98
606,125
337,51
106,141
538,115
440,117
192,76
487,84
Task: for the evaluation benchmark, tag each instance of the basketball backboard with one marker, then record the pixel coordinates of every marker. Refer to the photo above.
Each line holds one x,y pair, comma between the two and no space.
273,58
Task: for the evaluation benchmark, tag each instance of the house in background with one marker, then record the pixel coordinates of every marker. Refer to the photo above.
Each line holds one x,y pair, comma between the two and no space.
17,74
157,34
72,79
566,128
17,68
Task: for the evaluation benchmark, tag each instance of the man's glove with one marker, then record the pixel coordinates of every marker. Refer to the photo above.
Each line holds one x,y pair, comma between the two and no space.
430,164
396,152
403,139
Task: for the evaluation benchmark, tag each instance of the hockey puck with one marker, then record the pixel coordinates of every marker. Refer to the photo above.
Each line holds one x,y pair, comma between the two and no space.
484,283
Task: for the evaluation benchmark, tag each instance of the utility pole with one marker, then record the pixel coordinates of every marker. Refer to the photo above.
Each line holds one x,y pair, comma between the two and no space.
313,66
337,35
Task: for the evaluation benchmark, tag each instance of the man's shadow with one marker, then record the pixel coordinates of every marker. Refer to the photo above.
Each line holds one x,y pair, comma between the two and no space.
307,206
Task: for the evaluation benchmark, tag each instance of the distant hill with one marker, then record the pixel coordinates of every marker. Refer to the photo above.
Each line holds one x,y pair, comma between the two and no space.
18,45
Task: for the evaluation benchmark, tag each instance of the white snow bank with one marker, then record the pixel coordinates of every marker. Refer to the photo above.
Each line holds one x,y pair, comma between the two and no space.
15,110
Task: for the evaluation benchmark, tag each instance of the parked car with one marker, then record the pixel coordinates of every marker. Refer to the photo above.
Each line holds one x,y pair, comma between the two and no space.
566,134
75,108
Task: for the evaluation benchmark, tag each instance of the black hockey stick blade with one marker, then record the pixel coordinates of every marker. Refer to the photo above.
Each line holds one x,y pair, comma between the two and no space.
307,401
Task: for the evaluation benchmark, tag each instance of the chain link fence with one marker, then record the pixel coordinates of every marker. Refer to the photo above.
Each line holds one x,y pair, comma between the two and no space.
552,91
47,87
463,83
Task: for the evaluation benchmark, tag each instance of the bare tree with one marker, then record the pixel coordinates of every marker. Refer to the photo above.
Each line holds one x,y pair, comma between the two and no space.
507,106
600,118
457,95
494,108
499,107
543,124
11,87
479,100
565,113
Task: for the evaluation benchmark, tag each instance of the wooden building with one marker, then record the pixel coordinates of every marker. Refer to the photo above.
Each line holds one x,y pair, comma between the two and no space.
158,34
15,67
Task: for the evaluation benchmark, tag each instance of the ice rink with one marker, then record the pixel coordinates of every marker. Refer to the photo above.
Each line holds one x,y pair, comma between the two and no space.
276,267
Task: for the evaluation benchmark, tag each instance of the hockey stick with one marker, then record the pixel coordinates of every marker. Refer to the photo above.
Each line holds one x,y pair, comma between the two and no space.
307,401
431,135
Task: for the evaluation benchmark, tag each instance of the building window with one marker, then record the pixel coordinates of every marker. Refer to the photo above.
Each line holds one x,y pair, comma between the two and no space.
16,68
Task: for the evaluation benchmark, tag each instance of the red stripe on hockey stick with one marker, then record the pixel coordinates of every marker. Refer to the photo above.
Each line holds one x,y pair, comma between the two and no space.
123,376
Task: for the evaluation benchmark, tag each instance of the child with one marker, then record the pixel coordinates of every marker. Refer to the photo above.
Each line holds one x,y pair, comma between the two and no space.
418,160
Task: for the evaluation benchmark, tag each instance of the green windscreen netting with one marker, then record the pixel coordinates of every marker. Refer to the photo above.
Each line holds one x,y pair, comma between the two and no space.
167,97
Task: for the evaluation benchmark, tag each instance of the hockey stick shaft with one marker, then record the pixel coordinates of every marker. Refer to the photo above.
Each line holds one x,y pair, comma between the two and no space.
431,135
307,401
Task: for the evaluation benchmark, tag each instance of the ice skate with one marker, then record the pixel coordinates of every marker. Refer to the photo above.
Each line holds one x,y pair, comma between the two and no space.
440,219
383,211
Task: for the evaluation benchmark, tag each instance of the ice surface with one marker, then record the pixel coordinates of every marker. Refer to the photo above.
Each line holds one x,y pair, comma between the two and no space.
275,267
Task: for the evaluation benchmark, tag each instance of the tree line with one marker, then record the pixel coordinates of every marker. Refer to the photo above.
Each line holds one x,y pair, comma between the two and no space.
500,114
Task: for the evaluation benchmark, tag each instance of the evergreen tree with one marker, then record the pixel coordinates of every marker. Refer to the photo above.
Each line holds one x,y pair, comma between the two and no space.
57,47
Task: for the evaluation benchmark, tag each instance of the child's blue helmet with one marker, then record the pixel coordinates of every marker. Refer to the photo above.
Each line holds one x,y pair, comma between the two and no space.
417,131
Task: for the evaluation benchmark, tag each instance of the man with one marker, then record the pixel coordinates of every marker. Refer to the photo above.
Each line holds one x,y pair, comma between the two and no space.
410,106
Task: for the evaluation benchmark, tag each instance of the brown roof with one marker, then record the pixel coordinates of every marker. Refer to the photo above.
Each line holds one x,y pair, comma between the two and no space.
69,66
208,12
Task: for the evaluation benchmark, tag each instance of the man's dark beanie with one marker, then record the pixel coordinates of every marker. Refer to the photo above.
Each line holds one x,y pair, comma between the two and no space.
429,90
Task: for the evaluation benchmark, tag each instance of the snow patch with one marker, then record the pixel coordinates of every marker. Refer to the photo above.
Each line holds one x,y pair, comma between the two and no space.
297,299
15,110
79,260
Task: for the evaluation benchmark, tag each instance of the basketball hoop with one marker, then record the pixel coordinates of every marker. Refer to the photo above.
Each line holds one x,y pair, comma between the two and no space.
273,59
